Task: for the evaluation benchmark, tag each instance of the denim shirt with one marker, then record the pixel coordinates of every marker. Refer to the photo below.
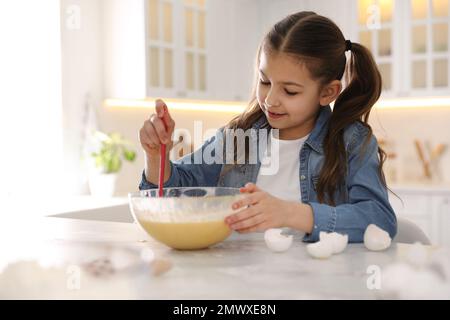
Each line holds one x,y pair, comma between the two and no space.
362,201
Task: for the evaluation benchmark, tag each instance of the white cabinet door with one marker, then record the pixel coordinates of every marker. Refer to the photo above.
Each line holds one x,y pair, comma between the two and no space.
417,208
187,49
124,49
233,37
342,13
428,53
429,208
201,49
176,48
410,43
155,48
442,213
376,26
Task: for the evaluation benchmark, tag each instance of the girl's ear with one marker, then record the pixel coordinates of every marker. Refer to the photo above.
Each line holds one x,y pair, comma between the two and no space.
330,92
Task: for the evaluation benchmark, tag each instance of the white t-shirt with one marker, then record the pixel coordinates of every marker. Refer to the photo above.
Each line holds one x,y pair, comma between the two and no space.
283,183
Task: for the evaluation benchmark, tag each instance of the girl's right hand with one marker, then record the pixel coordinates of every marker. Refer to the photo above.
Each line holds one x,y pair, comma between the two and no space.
154,133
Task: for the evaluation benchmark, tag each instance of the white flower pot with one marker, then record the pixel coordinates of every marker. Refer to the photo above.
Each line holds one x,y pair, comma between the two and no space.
102,184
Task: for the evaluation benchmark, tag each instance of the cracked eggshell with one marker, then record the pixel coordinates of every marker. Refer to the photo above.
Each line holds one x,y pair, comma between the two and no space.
320,249
337,240
276,241
376,239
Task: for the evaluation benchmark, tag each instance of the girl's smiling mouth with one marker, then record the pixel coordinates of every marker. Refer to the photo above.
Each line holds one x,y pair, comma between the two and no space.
273,115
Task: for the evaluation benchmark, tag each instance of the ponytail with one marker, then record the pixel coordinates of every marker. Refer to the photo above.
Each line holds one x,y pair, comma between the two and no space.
353,105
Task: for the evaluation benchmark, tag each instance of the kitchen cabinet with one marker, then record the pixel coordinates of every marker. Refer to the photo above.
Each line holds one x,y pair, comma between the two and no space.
204,49
186,49
409,39
410,43
428,207
376,24
176,48
428,23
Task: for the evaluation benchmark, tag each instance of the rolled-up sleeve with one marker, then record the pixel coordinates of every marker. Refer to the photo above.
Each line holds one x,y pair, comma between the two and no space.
185,172
171,182
368,201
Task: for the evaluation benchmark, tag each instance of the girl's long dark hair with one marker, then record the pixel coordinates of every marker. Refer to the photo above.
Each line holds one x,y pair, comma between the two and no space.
319,43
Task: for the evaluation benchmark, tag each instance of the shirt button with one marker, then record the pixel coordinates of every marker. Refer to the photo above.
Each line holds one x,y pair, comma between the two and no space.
302,177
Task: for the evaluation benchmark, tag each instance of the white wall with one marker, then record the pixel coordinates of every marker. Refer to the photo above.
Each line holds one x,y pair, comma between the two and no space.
82,81
30,95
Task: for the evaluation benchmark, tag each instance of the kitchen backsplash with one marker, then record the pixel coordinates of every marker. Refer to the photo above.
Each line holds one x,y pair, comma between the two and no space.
402,129
399,128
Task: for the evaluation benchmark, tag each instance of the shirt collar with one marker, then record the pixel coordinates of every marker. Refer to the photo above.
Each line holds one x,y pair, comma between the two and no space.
315,139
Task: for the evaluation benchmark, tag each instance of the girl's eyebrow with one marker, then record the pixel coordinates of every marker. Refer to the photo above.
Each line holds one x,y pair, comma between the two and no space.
285,82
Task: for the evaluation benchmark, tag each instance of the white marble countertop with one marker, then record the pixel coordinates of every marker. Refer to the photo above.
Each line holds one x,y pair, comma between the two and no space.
241,267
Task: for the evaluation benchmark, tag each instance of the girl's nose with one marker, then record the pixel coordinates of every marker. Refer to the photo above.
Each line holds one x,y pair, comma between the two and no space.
271,103
271,99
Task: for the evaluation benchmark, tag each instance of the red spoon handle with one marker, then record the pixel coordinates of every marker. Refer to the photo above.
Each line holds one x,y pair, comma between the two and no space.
162,163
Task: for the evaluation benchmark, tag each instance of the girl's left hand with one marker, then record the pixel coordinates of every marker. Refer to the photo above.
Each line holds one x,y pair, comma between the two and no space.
265,211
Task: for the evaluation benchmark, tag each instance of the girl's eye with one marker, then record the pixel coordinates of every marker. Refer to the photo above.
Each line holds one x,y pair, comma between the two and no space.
265,83
290,93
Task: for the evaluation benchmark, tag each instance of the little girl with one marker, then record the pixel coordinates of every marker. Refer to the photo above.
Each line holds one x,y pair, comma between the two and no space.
330,174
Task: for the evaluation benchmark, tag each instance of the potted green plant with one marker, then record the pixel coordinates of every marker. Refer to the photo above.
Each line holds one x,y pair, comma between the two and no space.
110,150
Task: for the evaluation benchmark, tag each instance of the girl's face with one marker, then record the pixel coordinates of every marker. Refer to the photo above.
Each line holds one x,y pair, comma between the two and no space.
288,95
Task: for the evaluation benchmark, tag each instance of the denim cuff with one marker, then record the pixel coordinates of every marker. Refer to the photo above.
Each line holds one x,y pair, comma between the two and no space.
324,220
144,185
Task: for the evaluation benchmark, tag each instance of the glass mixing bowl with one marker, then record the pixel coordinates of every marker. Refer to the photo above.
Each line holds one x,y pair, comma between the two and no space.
185,218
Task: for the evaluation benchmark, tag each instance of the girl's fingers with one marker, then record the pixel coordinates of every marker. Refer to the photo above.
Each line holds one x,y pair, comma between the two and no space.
248,200
163,113
152,134
160,107
242,215
160,129
248,223
145,141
